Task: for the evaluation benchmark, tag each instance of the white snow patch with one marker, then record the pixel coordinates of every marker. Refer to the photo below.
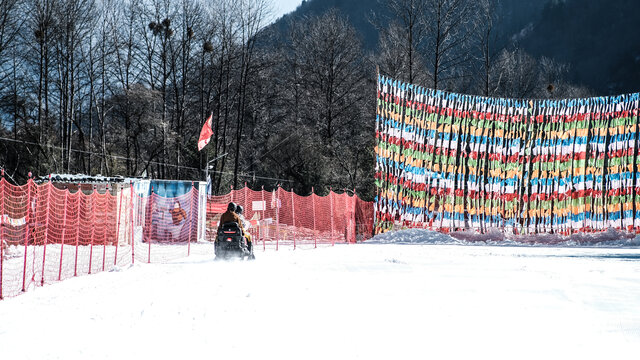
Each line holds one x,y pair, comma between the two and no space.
364,301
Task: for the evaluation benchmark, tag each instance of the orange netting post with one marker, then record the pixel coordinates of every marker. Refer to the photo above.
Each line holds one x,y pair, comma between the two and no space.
332,212
104,235
277,200
293,217
346,213
246,206
93,226
64,228
149,224
115,258
3,192
350,210
104,227
277,213
79,196
46,230
193,198
264,206
315,235
133,246
26,234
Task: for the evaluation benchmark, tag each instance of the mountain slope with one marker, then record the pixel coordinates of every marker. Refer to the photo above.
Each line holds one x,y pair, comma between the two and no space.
596,38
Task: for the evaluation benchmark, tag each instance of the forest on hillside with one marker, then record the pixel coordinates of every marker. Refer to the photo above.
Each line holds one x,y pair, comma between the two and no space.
123,87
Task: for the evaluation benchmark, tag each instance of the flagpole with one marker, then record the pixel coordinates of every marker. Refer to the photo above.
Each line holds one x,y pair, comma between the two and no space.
206,168
209,164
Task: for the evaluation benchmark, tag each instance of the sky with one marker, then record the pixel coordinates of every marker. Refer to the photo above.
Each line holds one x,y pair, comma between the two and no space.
404,295
282,7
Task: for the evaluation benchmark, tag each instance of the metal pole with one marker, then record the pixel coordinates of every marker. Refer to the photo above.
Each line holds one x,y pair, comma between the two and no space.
208,164
206,169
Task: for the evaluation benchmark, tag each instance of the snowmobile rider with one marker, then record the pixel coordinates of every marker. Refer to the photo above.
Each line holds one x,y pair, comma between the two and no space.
231,216
245,226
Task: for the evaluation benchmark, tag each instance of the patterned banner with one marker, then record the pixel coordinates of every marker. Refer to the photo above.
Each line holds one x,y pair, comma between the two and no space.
454,162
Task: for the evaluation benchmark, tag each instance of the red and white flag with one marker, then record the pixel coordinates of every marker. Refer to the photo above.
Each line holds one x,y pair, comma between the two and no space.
205,133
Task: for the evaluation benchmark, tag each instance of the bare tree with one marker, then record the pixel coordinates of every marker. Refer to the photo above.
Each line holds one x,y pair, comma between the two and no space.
252,15
514,75
326,64
73,24
553,84
127,67
485,29
15,104
9,27
223,98
402,41
448,39
181,64
41,23
399,58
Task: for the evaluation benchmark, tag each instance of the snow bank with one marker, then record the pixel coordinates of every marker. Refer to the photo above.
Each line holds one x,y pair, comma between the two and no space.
413,236
609,238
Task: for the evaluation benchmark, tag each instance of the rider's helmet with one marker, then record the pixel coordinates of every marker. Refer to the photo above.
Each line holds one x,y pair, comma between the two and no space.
239,209
231,206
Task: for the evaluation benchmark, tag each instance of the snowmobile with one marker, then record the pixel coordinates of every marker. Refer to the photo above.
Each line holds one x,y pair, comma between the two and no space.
231,243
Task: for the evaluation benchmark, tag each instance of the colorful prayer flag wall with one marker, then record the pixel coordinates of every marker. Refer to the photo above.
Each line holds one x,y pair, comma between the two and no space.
452,162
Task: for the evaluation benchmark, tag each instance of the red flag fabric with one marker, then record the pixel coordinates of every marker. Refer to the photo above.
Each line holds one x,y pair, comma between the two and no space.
205,133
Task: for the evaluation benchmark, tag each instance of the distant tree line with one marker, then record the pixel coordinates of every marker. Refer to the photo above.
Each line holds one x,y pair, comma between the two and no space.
453,45
123,87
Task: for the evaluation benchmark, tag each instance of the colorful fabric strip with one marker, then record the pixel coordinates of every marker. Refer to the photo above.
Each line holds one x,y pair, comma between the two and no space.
452,162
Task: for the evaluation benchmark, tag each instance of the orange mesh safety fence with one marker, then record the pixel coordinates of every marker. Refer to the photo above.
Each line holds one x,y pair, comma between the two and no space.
216,205
48,235
167,227
281,217
364,219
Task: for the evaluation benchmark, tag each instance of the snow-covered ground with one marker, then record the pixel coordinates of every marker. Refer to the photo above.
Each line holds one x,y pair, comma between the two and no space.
407,295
